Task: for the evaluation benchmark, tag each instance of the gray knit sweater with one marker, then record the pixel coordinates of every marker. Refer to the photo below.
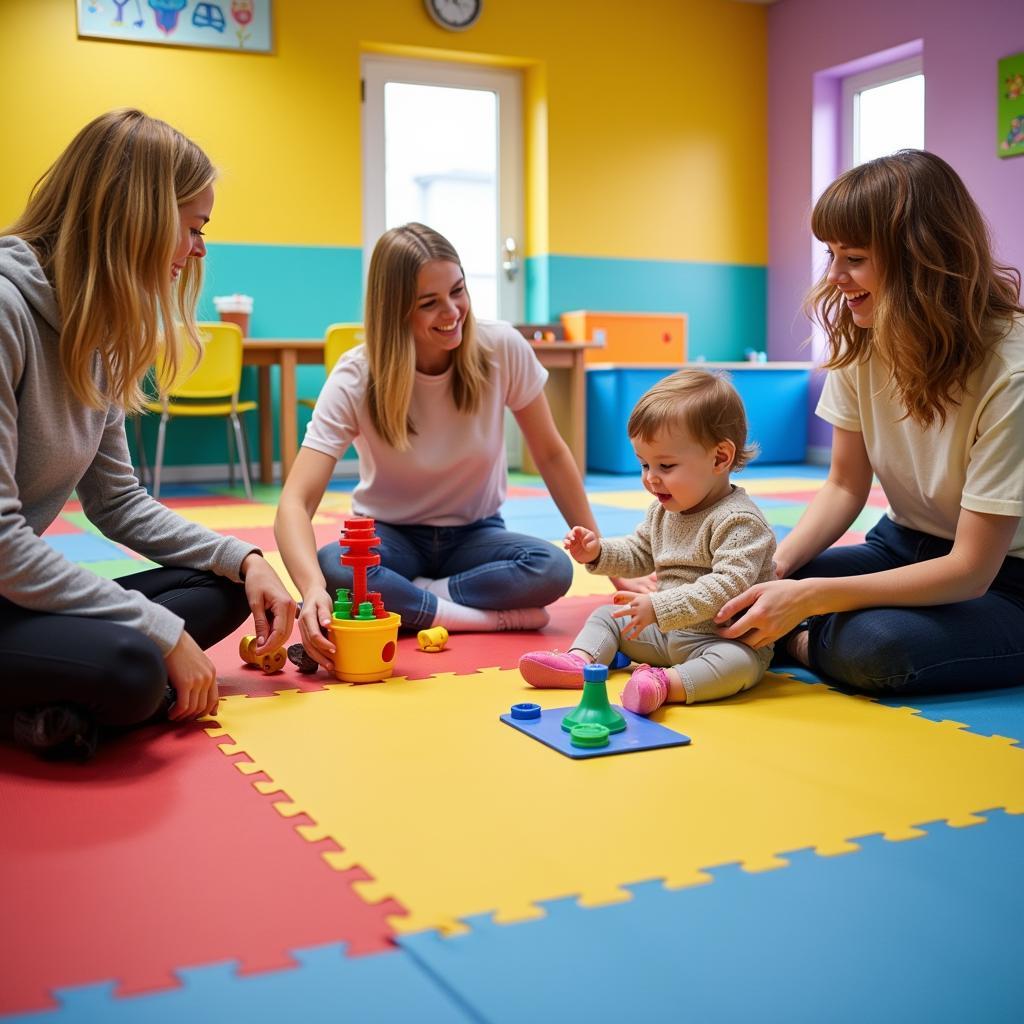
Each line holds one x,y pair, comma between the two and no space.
50,445
702,559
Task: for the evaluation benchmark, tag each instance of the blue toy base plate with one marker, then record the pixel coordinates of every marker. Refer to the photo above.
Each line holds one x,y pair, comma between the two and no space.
640,734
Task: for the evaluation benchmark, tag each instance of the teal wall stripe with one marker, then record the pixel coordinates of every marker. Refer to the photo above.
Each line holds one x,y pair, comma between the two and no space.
726,303
297,292
538,293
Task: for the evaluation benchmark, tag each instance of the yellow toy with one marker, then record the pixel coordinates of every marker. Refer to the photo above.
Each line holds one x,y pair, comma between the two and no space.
432,640
272,661
365,635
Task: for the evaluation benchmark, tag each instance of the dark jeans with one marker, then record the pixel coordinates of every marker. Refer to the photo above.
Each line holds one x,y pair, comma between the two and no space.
486,567
109,669
973,645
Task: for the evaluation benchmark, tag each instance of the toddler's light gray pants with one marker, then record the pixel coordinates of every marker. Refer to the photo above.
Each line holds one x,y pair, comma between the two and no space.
709,666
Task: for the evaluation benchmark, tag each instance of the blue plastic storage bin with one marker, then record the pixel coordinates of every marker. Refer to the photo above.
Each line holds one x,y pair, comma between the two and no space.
775,397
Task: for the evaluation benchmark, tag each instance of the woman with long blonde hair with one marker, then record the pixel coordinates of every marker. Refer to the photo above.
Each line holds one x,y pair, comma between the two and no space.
423,401
94,275
925,390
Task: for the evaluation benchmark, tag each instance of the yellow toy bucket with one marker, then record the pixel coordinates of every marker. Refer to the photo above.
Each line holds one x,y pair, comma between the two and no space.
365,648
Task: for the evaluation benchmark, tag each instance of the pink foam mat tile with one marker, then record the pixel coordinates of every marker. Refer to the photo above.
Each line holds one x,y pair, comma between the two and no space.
525,491
193,500
467,652
850,537
159,853
61,525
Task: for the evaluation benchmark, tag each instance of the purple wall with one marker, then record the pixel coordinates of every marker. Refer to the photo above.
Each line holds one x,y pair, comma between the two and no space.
961,41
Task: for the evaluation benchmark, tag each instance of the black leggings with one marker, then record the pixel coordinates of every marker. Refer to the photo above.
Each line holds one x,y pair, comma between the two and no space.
112,671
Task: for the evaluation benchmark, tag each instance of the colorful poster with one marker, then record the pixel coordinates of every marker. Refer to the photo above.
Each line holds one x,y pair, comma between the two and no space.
1010,107
229,25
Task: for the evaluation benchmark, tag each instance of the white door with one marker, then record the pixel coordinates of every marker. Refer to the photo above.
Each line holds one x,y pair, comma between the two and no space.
442,144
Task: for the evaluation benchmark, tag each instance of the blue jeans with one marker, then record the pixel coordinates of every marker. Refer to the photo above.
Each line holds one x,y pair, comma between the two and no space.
486,567
973,645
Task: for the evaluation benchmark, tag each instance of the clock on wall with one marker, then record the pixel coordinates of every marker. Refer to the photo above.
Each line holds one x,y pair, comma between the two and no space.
455,15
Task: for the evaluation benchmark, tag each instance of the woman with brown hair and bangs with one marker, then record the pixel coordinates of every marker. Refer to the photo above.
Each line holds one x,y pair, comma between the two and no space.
94,277
925,390
423,401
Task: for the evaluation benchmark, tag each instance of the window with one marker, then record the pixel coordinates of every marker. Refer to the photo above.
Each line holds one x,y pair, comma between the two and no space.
882,111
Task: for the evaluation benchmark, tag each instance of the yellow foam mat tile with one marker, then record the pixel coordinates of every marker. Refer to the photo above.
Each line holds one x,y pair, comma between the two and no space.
780,484
640,499
275,559
336,501
586,584
237,516
454,813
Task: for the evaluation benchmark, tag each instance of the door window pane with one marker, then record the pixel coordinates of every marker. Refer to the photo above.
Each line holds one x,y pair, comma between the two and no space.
441,160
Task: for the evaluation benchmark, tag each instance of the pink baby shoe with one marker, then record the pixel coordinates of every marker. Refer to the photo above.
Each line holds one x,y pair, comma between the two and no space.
553,670
646,690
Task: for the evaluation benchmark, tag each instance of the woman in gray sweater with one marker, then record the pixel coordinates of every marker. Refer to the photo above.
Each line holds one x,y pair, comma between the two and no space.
106,253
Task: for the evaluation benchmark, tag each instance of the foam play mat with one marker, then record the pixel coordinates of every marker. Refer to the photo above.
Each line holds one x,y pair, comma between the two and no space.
393,851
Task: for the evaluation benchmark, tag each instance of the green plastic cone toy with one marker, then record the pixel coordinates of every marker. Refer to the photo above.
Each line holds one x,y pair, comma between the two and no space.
594,708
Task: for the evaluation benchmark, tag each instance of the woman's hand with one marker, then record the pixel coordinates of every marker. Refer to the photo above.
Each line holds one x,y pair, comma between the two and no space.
194,679
639,608
769,610
273,609
640,585
315,617
583,545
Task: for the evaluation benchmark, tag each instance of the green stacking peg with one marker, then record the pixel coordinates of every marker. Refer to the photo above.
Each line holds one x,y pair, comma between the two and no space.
342,605
594,708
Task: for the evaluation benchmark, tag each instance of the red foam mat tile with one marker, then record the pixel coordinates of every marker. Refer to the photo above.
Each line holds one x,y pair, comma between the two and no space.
156,855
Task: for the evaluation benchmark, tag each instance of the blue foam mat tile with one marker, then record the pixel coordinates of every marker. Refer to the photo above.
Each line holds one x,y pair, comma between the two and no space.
85,547
326,987
986,712
640,734
926,929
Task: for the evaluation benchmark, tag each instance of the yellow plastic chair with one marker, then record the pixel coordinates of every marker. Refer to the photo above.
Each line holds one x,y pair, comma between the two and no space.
209,390
337,341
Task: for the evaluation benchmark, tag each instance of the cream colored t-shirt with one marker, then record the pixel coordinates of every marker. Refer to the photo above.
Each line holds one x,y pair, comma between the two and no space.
974,461
456,471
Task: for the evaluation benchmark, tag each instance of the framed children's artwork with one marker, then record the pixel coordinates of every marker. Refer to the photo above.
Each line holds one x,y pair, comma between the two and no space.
1010,106
239,25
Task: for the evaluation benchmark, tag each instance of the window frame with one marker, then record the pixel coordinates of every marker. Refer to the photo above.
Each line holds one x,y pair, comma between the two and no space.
854,85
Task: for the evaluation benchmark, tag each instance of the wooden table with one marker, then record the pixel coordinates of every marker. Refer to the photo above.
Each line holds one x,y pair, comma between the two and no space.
287,353
567,394
566,391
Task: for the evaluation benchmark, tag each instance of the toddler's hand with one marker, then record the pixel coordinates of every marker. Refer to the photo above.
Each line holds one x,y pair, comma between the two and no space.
639,608
582,544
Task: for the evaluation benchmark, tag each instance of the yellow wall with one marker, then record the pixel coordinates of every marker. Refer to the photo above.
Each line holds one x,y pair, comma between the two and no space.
654,113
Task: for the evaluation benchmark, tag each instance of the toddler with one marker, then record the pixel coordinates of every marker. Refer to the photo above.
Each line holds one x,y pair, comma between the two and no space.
703,536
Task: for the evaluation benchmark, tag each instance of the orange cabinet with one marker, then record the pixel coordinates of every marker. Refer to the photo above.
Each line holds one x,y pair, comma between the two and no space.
634,338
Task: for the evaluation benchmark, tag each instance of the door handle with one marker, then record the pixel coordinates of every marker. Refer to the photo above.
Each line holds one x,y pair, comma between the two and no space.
510,258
